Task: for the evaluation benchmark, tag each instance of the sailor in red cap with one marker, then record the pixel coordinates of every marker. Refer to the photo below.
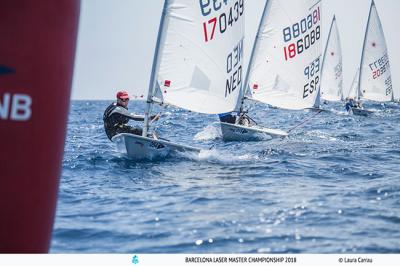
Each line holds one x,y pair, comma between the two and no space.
116,117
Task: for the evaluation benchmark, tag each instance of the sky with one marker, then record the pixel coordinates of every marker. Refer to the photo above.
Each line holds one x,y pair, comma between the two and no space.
116,41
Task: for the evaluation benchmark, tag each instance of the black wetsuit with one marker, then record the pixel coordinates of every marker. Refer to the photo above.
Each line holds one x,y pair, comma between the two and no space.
227,118
231,118
115,119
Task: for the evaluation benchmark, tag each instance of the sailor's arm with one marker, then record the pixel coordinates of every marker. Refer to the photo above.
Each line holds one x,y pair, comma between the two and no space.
126,113
136,117
140,117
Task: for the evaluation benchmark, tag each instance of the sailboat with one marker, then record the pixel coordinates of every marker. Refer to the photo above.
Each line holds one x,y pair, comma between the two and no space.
284,66
331,74
375,82
353,93
197,66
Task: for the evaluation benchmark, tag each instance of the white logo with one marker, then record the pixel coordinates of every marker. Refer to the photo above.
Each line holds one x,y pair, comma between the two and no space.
20,107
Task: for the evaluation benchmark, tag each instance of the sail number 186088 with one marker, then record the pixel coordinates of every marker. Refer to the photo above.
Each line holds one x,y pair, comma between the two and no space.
304,34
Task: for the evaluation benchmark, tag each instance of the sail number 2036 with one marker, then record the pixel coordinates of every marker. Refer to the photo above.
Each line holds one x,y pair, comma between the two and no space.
224,20
304,34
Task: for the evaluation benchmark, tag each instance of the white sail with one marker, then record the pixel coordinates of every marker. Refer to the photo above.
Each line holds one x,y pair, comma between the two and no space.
201,54
332,77
286,59
353,91
375,78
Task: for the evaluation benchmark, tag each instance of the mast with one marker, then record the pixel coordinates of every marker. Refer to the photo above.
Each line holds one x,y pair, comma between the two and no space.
352,84
318,99
362,53
255,46
154,70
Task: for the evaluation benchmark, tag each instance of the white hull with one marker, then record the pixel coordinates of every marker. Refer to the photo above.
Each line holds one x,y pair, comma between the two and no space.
361,112
141,148
234,132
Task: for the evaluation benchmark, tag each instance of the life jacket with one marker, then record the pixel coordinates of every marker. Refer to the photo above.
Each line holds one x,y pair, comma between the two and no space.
113,120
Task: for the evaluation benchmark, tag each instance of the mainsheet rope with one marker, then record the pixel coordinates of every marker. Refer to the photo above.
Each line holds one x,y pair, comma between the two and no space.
319,111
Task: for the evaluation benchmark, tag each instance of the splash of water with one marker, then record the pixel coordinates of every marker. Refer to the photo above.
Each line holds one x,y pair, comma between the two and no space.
210,132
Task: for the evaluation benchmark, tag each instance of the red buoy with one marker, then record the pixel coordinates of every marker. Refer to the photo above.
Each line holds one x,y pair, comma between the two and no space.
37,50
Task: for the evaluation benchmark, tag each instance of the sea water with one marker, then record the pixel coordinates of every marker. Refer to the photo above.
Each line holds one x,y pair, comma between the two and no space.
332,186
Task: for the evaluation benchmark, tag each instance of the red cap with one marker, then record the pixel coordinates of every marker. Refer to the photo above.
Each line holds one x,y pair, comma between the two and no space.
122,95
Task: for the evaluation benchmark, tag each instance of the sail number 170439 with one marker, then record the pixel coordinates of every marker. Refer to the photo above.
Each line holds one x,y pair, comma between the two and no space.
224,20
